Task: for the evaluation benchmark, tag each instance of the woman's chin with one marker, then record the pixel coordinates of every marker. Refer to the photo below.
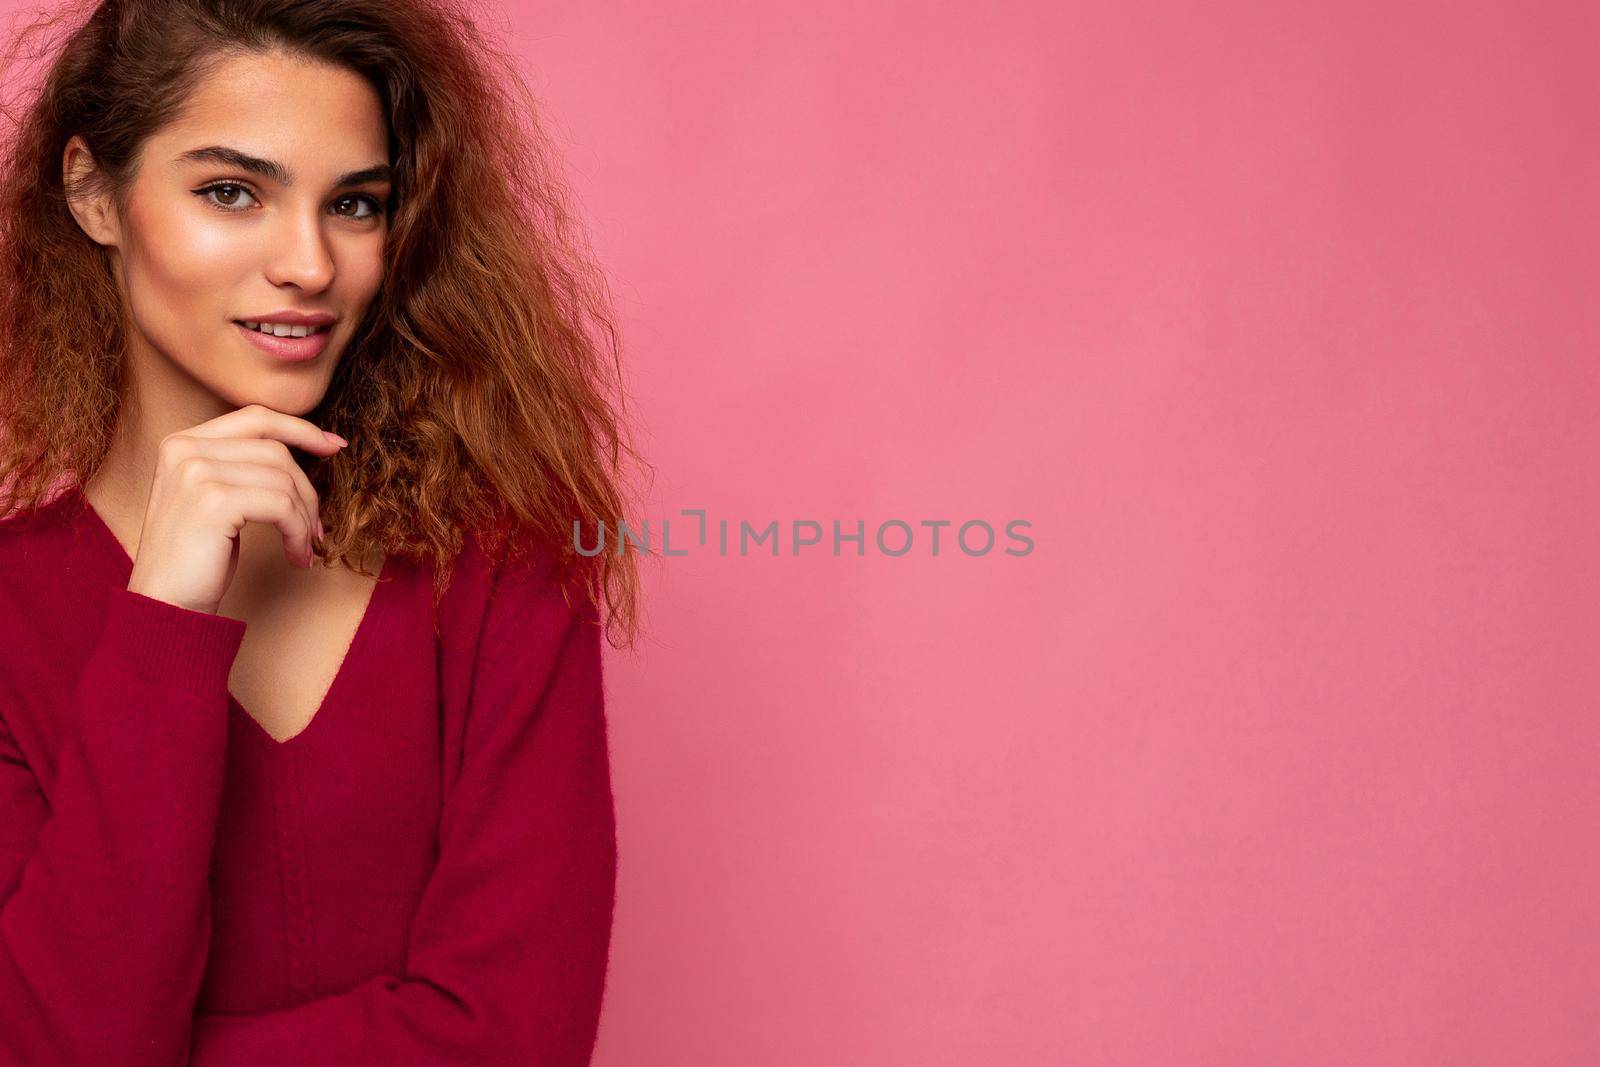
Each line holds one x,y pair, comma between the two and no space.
291,398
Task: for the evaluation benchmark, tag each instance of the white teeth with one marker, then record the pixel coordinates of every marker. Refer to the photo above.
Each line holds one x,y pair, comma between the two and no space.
279,329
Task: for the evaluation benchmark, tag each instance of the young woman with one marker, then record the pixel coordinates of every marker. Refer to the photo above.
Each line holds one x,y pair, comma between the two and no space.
304,381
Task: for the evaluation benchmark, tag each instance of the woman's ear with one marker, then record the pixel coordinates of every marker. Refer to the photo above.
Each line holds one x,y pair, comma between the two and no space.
90,204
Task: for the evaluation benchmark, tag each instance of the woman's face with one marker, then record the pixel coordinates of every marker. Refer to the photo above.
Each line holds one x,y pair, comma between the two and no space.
264,199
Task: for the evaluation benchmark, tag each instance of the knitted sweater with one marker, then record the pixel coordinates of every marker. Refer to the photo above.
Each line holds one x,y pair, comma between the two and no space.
424,875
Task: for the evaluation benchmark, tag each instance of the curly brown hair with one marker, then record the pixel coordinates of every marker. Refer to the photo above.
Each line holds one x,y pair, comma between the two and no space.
483,389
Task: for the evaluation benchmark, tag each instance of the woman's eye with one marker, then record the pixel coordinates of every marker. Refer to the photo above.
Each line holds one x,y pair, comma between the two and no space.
373,207
226,195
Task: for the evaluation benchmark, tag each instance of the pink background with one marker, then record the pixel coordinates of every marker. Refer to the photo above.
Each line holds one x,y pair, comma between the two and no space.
1277,322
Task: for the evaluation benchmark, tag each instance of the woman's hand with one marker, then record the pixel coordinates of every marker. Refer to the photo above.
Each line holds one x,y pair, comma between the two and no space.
212,479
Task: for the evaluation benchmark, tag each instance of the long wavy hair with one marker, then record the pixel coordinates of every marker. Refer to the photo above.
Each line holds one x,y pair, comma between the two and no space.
482,391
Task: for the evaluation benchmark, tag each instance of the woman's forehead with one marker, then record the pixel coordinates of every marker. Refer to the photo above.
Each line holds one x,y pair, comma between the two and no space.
316,120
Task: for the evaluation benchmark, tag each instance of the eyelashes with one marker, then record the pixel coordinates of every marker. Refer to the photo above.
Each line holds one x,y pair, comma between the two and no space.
375,207
217,187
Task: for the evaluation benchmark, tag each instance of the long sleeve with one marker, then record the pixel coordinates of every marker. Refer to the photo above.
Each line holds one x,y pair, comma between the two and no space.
104,903
507,954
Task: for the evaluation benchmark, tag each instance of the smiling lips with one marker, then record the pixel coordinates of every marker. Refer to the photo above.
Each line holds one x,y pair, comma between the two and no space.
281,329
292,338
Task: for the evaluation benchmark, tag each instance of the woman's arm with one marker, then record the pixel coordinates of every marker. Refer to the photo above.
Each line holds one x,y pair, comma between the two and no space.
105,917
508,950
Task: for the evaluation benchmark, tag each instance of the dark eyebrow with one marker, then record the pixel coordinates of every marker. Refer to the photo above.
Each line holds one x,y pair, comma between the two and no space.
378,172
275,171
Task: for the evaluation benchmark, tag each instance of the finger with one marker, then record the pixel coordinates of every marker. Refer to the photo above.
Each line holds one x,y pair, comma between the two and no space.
203,470
276,507
256,420
269,453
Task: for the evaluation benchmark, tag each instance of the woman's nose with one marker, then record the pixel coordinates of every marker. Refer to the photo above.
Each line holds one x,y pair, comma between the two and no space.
299,254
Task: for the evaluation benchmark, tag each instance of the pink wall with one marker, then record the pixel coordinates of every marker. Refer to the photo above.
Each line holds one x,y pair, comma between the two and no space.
1276,321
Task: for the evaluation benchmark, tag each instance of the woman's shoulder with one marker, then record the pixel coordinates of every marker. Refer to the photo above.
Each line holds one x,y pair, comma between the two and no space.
39,545
51,571
510,618
49,514
505,576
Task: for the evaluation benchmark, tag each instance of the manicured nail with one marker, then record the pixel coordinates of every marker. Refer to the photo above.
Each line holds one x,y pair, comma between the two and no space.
335,438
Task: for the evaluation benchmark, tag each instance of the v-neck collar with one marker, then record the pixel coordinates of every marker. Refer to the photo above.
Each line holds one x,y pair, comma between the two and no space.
113,550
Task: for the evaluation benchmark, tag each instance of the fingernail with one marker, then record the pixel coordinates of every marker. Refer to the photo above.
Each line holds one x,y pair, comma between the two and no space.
335,438
320,530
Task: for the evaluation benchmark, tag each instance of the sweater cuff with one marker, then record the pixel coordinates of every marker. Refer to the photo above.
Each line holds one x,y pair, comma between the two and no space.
162,642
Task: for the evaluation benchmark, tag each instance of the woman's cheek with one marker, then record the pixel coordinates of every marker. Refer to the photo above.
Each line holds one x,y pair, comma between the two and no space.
178,301
207,255
361,270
